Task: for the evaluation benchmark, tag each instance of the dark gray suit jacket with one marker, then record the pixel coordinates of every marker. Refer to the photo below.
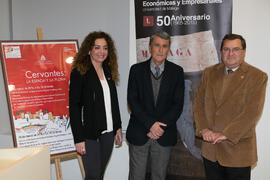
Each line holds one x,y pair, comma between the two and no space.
141,102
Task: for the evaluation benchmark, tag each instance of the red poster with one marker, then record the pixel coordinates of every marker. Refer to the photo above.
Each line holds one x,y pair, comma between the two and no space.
37,78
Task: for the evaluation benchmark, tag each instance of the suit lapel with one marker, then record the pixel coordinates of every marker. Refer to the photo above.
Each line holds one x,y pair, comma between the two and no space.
235,83
96,84
148,81
164,84
108,76
218,82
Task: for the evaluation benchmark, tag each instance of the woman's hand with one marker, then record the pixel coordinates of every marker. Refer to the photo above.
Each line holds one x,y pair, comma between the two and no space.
80,148
118,137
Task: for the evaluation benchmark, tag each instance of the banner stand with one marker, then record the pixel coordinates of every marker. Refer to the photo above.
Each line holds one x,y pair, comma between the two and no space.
57,158
57,161
39,33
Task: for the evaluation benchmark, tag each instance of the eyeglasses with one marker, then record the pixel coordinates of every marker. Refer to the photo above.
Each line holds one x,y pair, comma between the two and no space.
234,50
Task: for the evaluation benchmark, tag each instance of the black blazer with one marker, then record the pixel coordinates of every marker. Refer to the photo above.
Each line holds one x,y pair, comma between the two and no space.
141,102
86,105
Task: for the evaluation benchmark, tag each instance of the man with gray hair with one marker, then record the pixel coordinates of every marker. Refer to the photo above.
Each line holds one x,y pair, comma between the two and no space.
155,97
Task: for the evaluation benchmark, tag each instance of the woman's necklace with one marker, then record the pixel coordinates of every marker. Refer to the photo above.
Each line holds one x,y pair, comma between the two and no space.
100,73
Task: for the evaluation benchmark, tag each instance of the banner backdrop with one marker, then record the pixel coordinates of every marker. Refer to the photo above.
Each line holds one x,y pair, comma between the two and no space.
196,28
37,81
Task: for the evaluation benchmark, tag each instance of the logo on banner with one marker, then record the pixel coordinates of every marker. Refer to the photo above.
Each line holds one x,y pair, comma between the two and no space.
148,20
13,52
42,58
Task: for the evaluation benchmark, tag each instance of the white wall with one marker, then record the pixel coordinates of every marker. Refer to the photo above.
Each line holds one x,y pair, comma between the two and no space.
4,35
251,19
4,20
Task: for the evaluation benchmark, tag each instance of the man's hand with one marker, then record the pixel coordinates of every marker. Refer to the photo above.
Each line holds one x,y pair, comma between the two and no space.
212,137
219,137
208,135
156,130
152,136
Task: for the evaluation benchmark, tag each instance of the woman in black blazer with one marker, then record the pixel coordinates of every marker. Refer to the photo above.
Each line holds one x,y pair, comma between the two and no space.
93,103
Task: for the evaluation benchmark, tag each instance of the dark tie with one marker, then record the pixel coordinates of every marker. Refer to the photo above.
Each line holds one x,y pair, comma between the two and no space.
229,71
157,71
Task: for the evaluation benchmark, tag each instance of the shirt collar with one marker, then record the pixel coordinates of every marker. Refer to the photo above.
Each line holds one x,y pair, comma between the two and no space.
234,69
153,65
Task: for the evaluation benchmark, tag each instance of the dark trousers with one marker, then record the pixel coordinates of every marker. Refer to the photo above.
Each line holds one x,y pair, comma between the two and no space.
214,171
159,158
97,156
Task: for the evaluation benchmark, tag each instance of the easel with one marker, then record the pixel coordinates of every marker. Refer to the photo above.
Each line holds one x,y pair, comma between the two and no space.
56,159
70,155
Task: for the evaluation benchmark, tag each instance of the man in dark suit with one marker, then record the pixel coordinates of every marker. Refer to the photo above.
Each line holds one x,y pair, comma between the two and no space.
155,98
227,106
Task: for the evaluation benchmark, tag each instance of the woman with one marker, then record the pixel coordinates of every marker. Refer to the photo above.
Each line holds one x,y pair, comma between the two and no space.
94,110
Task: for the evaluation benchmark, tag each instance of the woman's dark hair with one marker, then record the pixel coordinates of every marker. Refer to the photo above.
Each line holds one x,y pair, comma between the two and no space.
82,61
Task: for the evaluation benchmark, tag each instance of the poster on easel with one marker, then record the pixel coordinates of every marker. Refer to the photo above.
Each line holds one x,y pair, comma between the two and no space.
36,75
